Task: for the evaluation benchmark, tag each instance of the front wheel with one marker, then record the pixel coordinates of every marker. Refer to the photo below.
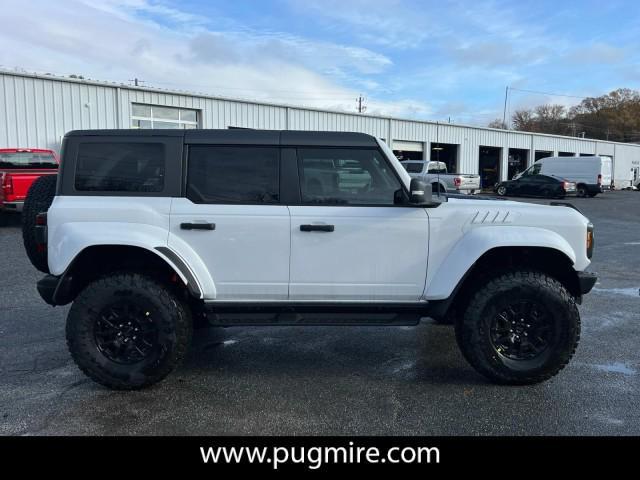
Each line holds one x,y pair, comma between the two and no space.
127,331
520,328
501,190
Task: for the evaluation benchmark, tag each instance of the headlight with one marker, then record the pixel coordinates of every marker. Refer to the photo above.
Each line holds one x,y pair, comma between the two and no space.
589,240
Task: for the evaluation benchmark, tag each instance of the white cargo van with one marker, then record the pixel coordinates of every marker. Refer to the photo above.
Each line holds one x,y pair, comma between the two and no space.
592,175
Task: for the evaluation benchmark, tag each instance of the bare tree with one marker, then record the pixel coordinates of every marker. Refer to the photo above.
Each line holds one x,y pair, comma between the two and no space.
497,123
524,120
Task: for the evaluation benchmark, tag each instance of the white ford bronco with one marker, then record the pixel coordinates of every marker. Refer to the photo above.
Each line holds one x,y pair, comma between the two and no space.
149,233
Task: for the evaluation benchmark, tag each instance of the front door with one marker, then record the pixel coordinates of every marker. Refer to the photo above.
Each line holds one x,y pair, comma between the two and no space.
351,237
232,219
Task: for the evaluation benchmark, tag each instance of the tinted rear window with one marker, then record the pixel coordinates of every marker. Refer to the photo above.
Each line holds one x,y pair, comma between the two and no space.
413,167
233,174
120,167
27,160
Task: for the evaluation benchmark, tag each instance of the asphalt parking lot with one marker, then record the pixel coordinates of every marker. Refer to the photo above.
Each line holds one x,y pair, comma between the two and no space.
334,380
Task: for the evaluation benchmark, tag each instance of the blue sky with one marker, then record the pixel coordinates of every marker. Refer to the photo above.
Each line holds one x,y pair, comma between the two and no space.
409,58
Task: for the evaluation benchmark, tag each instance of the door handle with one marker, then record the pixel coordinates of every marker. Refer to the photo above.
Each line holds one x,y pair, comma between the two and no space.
317,228
198,226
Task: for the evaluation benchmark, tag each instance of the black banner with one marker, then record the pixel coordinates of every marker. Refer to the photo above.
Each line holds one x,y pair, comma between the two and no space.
325,454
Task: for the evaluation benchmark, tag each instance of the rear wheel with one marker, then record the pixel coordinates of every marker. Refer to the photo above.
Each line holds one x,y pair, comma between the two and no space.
520,328
581,191
128,331
38,200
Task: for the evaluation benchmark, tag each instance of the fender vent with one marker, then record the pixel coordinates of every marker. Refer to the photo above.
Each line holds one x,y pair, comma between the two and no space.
493,217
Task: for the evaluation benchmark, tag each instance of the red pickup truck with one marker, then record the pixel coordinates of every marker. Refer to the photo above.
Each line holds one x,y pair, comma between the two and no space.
19,167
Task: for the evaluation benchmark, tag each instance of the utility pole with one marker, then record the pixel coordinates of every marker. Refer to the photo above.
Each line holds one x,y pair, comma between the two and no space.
504,112
361,108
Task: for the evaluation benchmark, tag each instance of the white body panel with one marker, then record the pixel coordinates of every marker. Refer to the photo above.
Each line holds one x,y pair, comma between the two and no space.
374,253
462,230
75,223
247,254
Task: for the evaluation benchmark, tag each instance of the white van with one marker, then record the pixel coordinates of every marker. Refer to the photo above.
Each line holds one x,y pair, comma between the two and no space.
592,175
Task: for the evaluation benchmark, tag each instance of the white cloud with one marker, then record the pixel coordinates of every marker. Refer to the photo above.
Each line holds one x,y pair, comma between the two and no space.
390,23
120,39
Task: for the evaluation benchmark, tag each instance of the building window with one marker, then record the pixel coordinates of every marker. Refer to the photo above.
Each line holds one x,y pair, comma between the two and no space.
157,116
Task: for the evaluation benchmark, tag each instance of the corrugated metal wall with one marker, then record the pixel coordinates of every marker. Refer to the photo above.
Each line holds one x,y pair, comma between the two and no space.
36,111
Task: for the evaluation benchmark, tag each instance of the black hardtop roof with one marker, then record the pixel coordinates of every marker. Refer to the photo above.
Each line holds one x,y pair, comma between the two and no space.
243,136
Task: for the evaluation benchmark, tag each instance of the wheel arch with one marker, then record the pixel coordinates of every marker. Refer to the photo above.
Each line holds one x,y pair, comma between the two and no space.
442,186
499,260
96,260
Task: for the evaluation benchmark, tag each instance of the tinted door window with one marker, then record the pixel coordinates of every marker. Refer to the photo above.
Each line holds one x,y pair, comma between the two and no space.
233,174
346,177
120,167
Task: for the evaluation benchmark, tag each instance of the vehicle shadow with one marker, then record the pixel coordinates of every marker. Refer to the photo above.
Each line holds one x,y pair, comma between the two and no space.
10,220
425,354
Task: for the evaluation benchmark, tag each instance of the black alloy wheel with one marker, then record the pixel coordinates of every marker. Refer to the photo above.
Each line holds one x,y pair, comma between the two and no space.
522,331
126,333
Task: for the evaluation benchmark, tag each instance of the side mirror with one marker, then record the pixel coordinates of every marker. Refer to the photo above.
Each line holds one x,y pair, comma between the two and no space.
420,192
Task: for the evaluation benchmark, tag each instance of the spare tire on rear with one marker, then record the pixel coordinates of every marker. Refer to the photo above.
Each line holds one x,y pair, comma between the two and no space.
38,200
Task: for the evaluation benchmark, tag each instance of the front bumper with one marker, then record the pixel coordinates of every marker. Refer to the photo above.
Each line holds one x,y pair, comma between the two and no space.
586,281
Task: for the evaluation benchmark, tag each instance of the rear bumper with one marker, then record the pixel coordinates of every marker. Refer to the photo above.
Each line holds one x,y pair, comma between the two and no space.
11,206
586,280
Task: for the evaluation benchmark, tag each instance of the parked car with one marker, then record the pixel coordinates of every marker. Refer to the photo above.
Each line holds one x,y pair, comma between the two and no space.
19,167
536,186
435,174
151,232
592,175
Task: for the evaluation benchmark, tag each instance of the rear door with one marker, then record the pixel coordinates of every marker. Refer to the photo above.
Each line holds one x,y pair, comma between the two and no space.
232,218
353,240
605,170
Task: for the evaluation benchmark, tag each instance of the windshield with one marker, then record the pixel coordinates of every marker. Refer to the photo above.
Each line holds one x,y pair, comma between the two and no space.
27,160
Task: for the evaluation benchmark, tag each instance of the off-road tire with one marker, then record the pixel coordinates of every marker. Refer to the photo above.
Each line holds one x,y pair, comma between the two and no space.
473,335
173,320
39,198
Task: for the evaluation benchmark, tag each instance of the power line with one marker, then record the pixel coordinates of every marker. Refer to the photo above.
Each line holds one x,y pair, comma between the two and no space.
546,93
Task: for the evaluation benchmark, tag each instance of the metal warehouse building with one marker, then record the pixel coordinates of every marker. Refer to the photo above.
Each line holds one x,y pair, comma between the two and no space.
37,110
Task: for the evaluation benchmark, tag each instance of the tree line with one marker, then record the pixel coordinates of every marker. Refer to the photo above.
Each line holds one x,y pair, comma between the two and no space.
614,116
